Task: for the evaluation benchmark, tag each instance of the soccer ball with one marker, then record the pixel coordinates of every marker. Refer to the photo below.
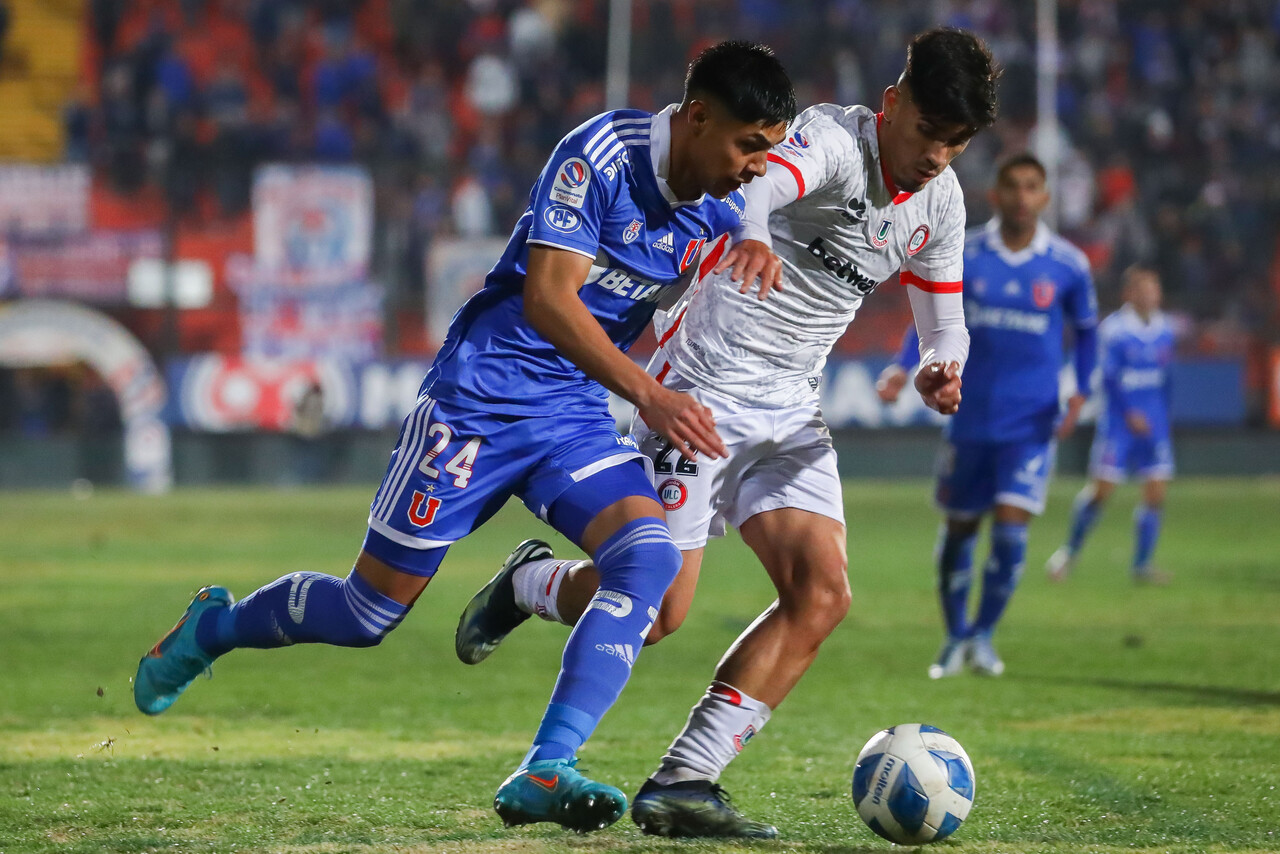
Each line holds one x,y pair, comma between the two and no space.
913,784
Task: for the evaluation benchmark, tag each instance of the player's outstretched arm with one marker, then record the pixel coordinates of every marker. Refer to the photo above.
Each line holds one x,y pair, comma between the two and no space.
944,344
552,306
893,379
939,386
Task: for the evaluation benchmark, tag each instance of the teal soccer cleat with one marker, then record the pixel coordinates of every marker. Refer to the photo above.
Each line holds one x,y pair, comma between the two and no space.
693,809
492,613
553,790
171,665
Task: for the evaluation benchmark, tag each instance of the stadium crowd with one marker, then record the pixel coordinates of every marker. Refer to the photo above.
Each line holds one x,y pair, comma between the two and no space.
1169,120
1169,113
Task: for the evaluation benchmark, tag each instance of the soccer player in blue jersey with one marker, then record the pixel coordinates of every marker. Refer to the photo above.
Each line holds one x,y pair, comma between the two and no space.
1133,433
516,404
1022,285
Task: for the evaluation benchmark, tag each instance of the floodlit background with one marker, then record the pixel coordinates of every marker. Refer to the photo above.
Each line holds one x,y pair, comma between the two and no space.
233,202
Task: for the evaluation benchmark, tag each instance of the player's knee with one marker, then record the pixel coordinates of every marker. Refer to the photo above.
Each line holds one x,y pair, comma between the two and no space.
662,627
831,602
361,634
670,618
821,600
365,616
640,561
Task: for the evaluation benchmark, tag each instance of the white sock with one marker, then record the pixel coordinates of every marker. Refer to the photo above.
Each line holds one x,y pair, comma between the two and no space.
537,584
719,726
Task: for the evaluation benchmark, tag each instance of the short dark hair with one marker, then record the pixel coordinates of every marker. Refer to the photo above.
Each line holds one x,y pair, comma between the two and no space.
747,78
1015,161
952,77
1136,271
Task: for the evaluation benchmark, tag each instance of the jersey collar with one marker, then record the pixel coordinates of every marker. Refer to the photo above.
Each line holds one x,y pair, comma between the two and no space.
899,196
1146,330
660,156
1039,244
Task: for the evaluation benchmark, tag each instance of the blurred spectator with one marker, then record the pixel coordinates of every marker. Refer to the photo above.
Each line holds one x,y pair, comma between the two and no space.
309,427
1169,114
472,210
4,27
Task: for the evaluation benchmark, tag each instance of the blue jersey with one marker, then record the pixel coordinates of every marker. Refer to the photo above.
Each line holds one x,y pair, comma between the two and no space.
600,195
1016,307
1136,359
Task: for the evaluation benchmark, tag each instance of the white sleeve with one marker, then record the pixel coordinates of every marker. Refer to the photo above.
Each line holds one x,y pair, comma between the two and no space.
764,196
938,265
816,152
940,322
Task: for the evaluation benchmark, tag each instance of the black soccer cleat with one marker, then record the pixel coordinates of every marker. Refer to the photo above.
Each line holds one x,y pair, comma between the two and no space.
492,613
694,808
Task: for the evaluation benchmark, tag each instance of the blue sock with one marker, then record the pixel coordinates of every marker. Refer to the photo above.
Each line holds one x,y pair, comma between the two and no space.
1000,578
1146,524
305,607
1084,512
636,565
955,572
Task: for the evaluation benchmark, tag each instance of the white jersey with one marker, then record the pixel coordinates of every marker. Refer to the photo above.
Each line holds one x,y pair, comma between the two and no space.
840,229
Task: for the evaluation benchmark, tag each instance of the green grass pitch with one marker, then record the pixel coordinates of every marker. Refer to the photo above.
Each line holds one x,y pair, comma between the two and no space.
1129,719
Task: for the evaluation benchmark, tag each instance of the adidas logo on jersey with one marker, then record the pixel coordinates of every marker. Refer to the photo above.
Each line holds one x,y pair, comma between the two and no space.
665,243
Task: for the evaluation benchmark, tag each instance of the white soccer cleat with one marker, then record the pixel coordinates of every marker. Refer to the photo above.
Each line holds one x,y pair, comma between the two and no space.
950,660
982,658
1059,564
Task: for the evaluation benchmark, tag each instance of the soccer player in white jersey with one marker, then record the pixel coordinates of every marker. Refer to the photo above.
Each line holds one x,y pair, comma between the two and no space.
851,197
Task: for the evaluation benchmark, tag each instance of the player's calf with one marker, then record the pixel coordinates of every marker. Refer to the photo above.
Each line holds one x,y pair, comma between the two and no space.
636,564
305,607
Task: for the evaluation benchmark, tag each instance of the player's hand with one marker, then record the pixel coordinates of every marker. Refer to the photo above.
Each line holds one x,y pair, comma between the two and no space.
890,383
748,260
686,422
1137,423
1067,425
939,386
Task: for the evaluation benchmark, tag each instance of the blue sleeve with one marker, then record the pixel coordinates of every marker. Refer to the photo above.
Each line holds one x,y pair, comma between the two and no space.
570,200
909,353
1082,301
1086,358
1112,370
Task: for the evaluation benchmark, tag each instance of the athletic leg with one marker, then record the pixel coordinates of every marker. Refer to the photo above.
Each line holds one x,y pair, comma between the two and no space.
415,515
999,580
636,561
1147,517
954,553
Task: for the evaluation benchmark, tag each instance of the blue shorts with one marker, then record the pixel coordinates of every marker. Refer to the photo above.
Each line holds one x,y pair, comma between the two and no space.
453,468
973,477
1117,453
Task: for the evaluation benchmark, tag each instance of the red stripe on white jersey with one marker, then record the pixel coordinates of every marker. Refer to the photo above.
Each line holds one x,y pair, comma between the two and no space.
790,167
909,278
713,256
703,270
662,374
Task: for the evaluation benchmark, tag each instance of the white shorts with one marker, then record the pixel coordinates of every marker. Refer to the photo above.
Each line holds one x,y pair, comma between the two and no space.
777,458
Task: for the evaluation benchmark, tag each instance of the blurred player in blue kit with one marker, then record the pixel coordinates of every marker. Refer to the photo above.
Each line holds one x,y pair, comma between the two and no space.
516,403
1133,434
1023,285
